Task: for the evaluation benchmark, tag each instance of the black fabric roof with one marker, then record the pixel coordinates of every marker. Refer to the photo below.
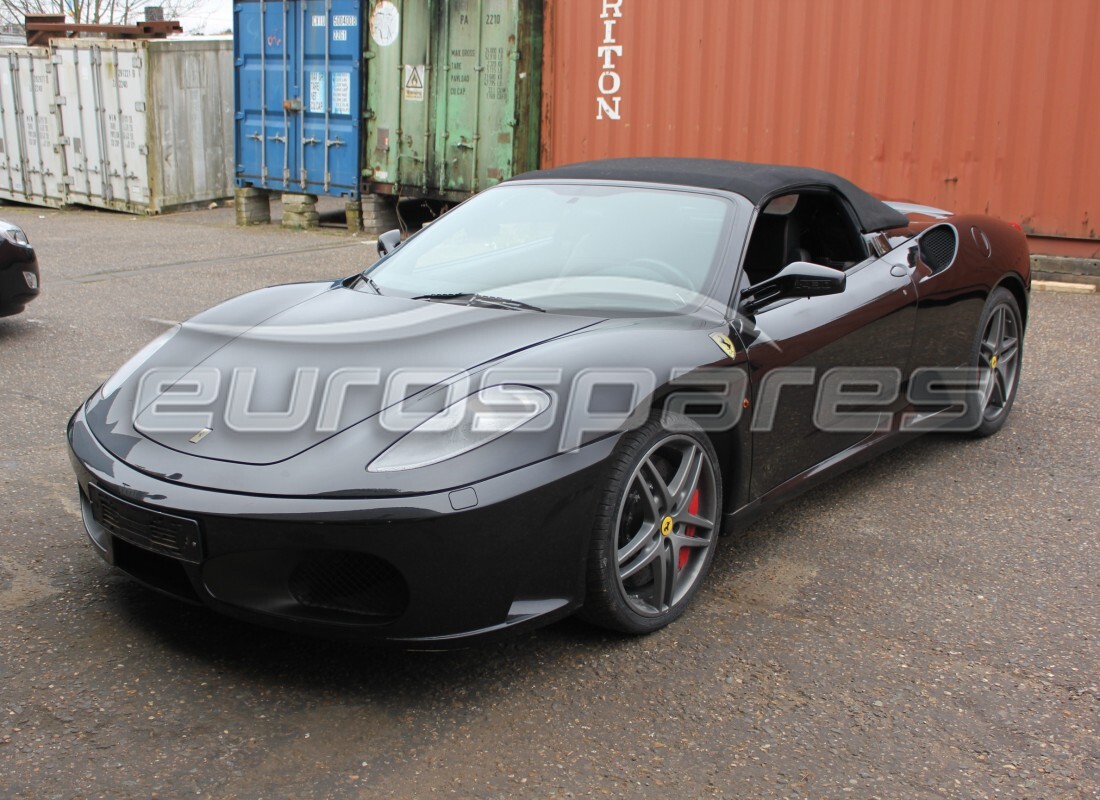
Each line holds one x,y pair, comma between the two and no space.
757,182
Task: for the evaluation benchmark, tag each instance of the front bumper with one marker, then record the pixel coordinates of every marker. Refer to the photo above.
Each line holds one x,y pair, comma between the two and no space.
470,563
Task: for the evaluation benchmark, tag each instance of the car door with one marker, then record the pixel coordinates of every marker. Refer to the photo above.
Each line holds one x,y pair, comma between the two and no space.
858,340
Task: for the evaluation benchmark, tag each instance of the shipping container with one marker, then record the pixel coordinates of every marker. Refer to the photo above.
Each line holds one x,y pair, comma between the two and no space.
32,158
452,102
986,106
146,125
298,95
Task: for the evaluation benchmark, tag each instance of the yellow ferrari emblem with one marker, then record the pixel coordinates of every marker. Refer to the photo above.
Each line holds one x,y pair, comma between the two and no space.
725,343
666,526
993,363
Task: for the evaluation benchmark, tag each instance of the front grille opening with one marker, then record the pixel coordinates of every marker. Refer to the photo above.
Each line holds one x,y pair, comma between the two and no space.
356,583
154,570
938,246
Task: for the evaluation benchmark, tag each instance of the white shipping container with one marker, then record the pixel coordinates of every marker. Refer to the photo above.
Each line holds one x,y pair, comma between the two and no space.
147,126
32,157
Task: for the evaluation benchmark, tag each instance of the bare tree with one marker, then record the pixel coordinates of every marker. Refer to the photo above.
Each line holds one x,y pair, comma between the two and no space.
94,12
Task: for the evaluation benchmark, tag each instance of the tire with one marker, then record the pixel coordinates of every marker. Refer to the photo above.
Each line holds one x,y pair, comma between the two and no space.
656,526
998,352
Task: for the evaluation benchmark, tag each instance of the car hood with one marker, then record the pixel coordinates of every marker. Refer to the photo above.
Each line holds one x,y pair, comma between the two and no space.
275,372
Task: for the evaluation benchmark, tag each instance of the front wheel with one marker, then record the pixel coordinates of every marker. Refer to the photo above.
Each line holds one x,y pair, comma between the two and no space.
656,526
998,354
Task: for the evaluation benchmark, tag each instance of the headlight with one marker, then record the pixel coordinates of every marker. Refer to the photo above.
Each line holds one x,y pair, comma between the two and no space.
131,366
466,424
16,235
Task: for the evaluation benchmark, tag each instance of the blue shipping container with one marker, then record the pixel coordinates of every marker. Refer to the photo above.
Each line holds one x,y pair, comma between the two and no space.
298,90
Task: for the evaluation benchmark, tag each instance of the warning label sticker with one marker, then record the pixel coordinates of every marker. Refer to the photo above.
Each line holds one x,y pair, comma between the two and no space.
414,81
317,92
341,93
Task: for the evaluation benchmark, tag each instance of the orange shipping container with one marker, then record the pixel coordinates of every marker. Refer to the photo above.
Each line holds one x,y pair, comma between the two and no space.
975,105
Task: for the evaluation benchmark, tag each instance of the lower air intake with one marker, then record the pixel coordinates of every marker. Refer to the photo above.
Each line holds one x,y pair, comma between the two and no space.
354,583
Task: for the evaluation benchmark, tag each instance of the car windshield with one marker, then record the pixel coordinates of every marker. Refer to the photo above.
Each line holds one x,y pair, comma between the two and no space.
569,248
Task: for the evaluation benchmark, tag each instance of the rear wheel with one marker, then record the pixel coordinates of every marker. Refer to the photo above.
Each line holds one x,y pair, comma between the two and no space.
656,527
998,354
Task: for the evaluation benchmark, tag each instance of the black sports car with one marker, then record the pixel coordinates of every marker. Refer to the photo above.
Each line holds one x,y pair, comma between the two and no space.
552,399
18,270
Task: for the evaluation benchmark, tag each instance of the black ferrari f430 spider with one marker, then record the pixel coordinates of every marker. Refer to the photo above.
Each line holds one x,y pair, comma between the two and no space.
552,399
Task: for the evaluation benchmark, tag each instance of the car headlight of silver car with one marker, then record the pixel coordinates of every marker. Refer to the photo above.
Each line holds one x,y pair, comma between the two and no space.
462,426
15,235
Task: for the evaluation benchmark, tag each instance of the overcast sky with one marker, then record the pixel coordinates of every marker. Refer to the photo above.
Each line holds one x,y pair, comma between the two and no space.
213,16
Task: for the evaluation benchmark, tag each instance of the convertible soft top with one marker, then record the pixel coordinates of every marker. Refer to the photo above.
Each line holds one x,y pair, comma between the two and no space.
757,182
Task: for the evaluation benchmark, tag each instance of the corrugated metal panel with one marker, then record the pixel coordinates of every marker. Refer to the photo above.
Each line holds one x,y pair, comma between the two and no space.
190,135
298,78
32,160
987,105
453,92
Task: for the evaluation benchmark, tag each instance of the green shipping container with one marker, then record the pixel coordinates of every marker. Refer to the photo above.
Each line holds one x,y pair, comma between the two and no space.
453,92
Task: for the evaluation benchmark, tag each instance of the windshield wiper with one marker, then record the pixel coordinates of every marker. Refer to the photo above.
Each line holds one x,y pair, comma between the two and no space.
479,300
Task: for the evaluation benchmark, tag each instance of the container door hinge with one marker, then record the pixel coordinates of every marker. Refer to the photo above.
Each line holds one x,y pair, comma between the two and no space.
139,107
143,149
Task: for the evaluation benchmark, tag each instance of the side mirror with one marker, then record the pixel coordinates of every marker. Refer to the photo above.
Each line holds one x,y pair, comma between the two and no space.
799,279
388,242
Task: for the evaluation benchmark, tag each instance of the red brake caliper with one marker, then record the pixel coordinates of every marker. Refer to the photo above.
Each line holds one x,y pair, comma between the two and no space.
693,508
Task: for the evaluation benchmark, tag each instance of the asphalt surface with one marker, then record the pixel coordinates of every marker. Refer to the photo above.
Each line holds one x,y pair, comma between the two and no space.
926,626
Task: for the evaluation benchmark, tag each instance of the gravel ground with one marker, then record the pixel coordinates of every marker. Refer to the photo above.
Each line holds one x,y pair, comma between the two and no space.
925,626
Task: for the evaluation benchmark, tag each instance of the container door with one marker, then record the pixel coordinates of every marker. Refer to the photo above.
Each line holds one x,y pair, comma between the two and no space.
399,94
331,54
120,81
475,100
298,68
12,145
268,94
78,103
33,106
49,132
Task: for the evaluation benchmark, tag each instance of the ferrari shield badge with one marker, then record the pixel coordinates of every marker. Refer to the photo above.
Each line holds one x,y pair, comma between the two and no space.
725,343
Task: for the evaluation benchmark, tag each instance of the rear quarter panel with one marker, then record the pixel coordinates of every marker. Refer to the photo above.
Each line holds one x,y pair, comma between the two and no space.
990,253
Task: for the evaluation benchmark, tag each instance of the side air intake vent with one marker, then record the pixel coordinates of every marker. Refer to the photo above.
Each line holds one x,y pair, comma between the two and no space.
938,247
